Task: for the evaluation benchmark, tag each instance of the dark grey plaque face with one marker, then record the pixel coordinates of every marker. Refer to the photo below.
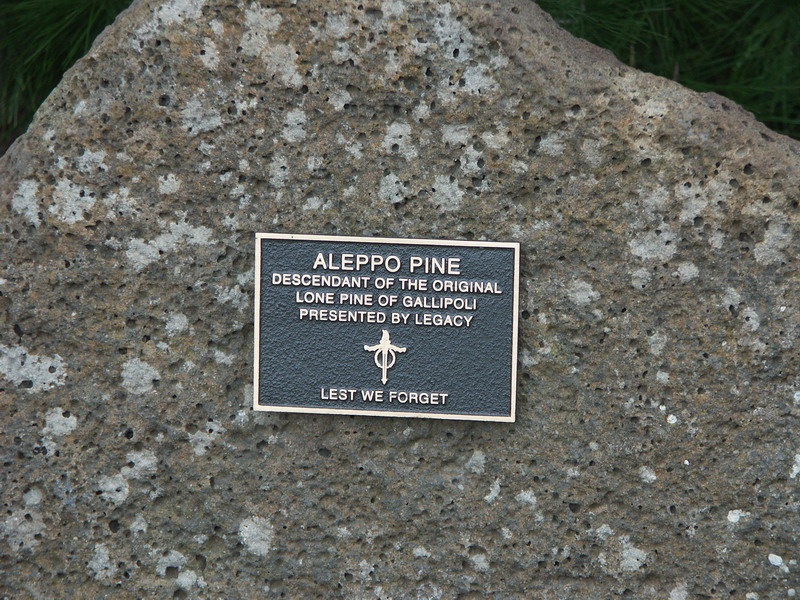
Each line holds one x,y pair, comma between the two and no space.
386,327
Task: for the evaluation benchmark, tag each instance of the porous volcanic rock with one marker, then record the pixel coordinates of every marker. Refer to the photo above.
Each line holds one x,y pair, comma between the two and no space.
655,452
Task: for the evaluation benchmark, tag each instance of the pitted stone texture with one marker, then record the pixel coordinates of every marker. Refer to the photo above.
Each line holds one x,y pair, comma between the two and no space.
656,452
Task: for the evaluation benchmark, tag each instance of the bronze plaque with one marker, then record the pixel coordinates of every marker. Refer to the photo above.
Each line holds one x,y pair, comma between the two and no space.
386,327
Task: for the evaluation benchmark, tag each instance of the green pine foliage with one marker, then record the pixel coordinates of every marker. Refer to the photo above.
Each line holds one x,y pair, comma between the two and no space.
39,41
746,50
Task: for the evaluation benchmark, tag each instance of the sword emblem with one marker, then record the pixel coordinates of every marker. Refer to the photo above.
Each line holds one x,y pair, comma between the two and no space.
385,354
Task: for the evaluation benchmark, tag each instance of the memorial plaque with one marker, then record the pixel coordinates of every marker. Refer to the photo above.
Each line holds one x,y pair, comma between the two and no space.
386,327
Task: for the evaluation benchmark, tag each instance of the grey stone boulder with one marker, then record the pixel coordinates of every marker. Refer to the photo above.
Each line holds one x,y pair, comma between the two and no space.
655,452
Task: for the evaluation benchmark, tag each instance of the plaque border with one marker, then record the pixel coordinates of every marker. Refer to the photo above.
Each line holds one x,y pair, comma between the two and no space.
515,246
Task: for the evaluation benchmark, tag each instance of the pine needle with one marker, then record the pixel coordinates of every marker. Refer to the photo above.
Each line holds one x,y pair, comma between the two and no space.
39,41
747,50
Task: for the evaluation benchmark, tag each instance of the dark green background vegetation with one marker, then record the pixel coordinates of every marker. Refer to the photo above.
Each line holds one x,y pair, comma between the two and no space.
747,50
39,40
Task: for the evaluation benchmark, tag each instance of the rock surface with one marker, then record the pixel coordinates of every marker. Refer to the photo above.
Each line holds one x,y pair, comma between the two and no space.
656,450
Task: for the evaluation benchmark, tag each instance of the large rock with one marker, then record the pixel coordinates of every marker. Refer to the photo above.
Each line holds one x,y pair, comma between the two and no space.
656,450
